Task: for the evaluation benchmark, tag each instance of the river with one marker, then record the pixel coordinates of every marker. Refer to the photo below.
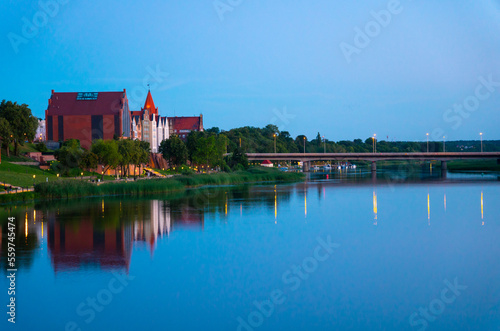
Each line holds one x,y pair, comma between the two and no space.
407,250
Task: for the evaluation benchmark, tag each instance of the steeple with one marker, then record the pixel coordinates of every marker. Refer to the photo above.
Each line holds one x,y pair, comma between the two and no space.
149,104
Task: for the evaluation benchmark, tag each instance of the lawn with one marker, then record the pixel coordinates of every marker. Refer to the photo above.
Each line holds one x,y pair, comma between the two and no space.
19,175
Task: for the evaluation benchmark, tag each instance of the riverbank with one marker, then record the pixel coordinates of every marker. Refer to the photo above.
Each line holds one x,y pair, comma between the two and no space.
63,189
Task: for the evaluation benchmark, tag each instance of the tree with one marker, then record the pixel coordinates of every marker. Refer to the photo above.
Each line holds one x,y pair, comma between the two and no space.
89,160
127,149
107,153
318,139
174,150
238,158
22,123
5,134
70,154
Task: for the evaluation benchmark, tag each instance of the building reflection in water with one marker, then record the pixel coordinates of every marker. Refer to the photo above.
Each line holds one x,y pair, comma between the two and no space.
104,237
73,246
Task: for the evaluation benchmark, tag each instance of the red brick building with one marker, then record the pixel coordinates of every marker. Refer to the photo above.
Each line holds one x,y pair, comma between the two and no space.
87,116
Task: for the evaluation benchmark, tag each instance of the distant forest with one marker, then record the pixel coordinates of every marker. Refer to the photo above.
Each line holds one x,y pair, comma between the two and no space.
261,140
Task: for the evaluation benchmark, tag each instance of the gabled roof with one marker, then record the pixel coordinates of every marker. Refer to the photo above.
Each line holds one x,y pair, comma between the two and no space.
69,103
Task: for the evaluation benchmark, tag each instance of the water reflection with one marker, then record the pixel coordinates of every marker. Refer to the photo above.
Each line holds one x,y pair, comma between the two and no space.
482,214
102,233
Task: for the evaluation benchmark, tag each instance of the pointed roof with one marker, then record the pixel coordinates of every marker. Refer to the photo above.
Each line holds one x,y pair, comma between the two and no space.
149,104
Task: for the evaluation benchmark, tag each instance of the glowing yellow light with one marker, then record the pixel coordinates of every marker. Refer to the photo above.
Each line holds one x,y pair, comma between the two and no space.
102,204
275,205
26,226
34,216
42,229
482,215
428,207
375,207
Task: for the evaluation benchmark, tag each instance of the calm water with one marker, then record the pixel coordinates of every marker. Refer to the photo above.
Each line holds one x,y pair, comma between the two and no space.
339,252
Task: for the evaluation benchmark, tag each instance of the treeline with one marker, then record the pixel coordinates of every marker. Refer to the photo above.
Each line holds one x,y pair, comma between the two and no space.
208,148
261,140
111,154
205,149
17,125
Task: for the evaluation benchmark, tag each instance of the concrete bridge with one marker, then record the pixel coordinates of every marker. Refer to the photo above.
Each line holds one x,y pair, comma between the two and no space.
307,158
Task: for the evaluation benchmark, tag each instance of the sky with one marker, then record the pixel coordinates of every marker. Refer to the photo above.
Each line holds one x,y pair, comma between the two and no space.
346,69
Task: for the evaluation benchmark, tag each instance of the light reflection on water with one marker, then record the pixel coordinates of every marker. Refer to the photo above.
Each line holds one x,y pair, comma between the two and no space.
212,253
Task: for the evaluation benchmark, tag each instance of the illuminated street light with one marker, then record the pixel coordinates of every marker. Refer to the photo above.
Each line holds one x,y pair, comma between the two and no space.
374,138
274,143
481,134
304,145
427,142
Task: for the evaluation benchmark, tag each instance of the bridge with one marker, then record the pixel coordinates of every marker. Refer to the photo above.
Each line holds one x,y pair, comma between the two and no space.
307,158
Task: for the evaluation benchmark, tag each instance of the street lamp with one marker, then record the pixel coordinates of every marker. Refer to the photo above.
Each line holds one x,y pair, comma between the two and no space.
304,145
33,180
481,134
274,143
81,174
374,143
444,144
427,142
324,144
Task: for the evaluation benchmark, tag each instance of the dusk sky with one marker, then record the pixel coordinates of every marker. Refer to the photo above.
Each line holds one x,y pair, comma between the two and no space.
302,65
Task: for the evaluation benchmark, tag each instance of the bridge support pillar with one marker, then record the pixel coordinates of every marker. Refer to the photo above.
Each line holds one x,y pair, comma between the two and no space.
444,169
305,166
374,166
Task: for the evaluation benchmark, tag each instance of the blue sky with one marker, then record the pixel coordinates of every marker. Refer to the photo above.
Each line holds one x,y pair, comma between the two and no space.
255,62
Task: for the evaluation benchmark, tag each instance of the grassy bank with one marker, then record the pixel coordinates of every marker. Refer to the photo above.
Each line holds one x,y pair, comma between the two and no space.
21,175
473,165
70,189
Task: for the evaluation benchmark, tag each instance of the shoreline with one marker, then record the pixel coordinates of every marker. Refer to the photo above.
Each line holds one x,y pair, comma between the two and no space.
69,189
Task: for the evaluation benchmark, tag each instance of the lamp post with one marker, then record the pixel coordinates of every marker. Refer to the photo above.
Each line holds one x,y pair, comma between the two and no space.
481,134
81,174
444,144
324,144
274,143
374,143
304,145
34,180
427,142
